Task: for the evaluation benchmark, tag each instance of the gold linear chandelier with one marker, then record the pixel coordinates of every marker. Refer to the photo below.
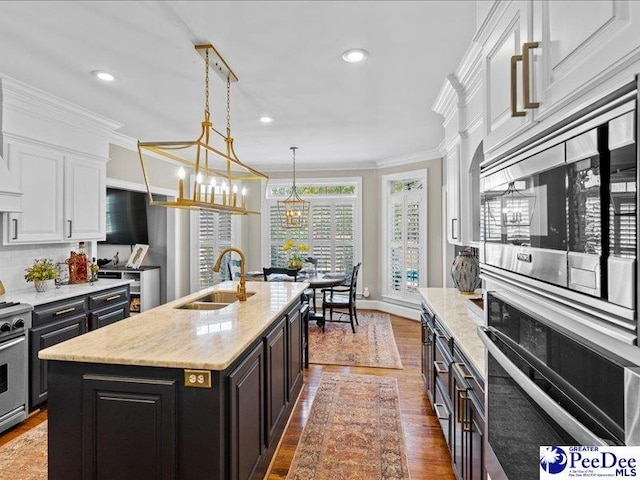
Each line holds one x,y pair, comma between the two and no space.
294,211
218,175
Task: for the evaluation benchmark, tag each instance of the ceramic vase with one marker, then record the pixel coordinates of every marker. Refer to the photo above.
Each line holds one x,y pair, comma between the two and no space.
43,285
465,272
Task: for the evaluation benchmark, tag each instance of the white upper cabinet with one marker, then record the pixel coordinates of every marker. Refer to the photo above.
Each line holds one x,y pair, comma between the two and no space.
581,47
84,199
63,198
40,174
58,151
504,113
547,59
453,196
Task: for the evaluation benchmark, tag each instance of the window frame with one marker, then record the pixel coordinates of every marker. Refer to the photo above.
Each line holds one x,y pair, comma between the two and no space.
385,258
311,181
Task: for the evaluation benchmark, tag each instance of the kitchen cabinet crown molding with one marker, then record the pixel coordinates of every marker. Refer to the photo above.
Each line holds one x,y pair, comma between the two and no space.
9,137
32,100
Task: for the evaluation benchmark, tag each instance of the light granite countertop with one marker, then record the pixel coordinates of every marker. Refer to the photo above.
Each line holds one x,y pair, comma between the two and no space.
457,313
179,338
31,297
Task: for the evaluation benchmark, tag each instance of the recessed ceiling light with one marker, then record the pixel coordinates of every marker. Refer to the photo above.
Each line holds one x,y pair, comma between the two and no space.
355,55
104,76
266,119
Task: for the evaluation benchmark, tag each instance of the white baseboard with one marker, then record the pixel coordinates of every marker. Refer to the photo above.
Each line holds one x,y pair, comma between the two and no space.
407,312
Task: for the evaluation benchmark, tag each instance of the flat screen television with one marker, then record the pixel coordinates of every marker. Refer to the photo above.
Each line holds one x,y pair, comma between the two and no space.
126,217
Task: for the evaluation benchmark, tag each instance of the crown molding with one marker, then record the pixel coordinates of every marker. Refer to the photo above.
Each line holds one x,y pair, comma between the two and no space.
34,101
409,158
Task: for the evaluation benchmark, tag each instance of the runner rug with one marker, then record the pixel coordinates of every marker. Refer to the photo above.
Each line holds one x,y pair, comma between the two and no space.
25,457
373,344
354,431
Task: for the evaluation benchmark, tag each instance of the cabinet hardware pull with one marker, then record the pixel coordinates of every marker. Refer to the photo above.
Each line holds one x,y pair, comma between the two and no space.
437,367
454,237
514,87
112,297
66,310
436,406
460,405
70,228
526,76
459,366
15,228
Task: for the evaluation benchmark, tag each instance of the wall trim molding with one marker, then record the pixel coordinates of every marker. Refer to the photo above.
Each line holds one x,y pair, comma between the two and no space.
409,158
399,310
139,187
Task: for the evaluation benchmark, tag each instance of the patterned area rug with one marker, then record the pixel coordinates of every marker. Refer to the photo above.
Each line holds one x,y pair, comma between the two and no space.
354,432
373,344
25,457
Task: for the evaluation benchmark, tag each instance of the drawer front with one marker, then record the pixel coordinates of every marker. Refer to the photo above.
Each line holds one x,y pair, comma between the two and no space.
109,297
61,310
442,408
442,363
475,381
108,315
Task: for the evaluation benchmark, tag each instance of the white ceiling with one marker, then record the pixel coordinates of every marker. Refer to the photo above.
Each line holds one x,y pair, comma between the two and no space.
287,55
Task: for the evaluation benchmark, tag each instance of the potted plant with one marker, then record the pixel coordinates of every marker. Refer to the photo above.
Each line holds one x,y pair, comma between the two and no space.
42,273
294,253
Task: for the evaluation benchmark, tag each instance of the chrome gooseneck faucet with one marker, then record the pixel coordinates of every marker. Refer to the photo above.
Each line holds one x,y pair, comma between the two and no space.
242,289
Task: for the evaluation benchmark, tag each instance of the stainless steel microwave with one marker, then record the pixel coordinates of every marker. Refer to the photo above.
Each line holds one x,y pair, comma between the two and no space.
563,210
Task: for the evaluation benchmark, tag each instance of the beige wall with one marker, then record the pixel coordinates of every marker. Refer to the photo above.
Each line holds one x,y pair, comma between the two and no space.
125,165
371,221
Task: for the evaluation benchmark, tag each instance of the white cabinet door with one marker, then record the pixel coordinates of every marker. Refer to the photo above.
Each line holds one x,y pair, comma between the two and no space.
40,173
581,46
84,199
453,196
505,42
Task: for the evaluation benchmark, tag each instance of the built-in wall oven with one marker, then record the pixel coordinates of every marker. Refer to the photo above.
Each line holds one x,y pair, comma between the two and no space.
551,381
562,211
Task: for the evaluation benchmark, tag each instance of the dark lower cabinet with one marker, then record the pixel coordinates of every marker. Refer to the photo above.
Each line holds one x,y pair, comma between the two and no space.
457,398
62,320
107,316
277,391
246,388
113,408
295,351
43,337
141,422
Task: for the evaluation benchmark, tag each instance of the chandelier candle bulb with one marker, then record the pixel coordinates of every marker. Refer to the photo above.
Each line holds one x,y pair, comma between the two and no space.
234,197
213,190
198,189
224,193
244,197
181,175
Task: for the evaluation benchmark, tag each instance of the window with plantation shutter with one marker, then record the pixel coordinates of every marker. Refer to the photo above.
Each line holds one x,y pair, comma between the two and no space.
212,233
334,224
404,219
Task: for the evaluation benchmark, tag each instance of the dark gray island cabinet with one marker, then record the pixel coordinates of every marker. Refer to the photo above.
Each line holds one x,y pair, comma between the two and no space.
130,420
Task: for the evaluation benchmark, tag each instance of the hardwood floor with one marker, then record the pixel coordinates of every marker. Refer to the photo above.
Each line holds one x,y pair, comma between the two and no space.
427,451
33,421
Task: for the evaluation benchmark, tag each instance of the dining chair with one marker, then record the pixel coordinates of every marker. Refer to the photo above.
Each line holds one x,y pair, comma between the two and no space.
342,298
291,272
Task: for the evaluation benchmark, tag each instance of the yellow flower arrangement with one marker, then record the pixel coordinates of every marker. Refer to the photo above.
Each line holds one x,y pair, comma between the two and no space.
295,259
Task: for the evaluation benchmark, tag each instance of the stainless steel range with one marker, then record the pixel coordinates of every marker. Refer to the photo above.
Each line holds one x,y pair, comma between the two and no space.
15,321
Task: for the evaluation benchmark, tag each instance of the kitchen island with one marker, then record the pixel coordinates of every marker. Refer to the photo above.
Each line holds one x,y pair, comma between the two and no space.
178,392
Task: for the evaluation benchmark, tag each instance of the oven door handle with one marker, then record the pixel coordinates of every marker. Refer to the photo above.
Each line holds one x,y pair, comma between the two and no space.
12,343
569,423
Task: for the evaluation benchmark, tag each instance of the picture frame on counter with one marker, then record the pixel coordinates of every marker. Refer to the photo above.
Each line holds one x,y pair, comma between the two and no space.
137,255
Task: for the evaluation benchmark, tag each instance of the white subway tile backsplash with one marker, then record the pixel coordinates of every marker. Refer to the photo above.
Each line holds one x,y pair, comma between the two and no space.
15,258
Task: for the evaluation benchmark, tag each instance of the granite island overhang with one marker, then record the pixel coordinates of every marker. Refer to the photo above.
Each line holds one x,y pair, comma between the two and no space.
167,336
120,402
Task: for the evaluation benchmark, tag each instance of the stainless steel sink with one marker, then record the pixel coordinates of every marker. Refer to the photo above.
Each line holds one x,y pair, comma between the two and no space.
214,300
222,296
203,306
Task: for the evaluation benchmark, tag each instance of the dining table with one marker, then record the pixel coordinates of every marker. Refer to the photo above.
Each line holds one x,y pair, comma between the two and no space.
316,281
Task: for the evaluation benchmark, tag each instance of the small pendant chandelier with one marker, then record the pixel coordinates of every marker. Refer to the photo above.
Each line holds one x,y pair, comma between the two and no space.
294,211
